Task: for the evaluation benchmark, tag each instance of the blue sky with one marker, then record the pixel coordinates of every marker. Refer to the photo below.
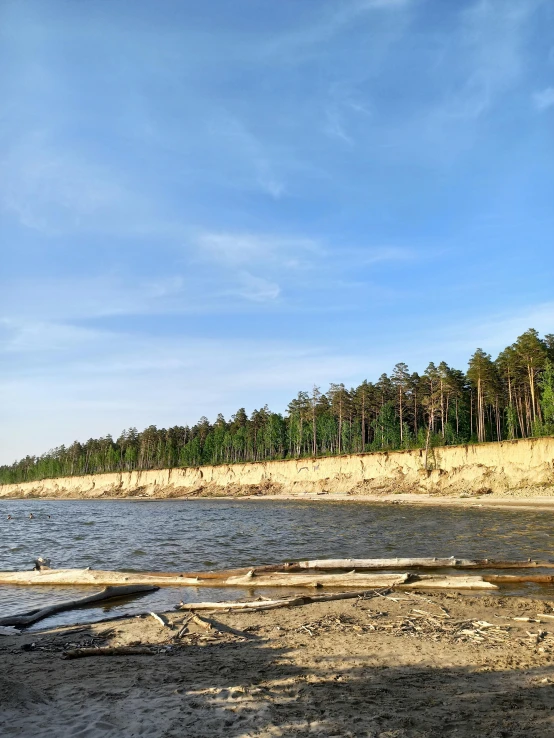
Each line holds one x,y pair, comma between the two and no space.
209,205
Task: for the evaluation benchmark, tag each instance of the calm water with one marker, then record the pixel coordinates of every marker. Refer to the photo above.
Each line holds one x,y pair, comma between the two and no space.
203,534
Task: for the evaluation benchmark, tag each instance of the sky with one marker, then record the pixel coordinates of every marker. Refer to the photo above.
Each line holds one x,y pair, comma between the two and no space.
214,205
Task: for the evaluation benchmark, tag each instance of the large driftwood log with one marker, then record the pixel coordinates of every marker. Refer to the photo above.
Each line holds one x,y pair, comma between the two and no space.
22,620
89,576
520,578
83,577
418,563
238,577
427,581
312,579
299,600
317,580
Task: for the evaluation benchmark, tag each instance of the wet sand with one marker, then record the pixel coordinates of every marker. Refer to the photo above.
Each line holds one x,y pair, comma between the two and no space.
399,666
514,499
509,500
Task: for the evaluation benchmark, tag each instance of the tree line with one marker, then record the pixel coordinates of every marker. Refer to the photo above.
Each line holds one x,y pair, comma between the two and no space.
509,397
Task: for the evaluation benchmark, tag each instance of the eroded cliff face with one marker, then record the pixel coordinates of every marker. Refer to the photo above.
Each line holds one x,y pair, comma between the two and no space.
452,470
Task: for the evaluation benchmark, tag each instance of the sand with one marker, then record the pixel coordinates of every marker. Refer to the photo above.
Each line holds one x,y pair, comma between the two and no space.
369,667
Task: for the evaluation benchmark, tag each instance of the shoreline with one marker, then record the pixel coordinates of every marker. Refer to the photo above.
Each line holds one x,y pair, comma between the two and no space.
508,502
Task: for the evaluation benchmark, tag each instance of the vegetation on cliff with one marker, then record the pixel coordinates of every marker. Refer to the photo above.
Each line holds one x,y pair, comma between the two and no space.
506,398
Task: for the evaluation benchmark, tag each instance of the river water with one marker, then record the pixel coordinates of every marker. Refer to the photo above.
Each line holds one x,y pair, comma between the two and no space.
180,535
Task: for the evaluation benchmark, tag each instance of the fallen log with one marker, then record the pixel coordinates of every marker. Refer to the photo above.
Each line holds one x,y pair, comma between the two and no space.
90,576
22,620
44,575
428,581
251,579
85,577
295,601
318,580
520,578
418,563
78,653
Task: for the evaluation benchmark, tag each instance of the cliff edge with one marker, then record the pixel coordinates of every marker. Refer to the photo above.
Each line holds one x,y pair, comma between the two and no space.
499,468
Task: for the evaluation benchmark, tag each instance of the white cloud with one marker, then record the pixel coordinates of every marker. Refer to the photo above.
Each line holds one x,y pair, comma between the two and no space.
544,99
333,19
52,191
93,382
488,57
250,155
78,298
256,288
104,381
253,248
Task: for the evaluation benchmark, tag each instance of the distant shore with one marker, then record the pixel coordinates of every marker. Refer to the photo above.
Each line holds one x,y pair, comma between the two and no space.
506,502
504,474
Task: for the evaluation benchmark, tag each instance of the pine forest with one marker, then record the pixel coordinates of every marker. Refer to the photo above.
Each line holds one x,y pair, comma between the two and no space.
509,397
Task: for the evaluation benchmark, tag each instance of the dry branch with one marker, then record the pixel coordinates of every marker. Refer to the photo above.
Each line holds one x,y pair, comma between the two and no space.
162,620
22,620
253,606
78,653
201,622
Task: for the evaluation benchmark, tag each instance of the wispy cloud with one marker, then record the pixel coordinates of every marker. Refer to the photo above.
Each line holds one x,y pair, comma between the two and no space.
119,380
492,44
59,189
253,248
544,99
333,19
253,156
256,288
256,263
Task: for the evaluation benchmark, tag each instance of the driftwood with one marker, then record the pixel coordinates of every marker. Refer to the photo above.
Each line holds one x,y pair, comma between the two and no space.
458,582
251,579
28,618
44,575
513,579
83,577
299,600
78,653
255,605
317,580
418,563
206,624
162,620
89,576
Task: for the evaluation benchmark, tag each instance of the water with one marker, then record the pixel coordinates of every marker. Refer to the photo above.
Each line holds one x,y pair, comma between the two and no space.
172,535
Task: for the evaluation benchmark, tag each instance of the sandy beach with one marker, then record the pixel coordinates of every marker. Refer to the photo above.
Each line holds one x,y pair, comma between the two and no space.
403,665
521,498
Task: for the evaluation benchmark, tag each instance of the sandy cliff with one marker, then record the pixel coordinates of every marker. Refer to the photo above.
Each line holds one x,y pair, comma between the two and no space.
491,467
